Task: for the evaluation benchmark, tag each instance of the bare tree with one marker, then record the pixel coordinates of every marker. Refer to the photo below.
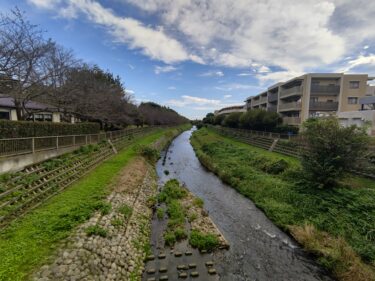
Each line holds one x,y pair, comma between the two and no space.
29,64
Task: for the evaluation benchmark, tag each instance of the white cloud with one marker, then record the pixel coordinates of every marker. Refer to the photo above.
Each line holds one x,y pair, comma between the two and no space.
278,76
198,103
132,67
293,35
360,61
164,69
366,47
245,74
212,73
171,88
151,41
130,91
236,86
227,96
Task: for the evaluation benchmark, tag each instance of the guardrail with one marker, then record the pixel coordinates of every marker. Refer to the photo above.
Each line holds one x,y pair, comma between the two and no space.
19,146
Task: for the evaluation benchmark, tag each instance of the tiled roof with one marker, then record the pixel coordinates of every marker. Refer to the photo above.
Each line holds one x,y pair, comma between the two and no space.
6,101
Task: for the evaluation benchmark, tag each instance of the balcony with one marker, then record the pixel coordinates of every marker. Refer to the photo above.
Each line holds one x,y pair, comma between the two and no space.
272,108
324,106
294,91
292,120
290,106
263,99
327,90
272,97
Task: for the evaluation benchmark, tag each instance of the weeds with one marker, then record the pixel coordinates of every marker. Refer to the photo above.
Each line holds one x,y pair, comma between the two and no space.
160,213
126,211
274,182
203,241
104,208
96,230
117,222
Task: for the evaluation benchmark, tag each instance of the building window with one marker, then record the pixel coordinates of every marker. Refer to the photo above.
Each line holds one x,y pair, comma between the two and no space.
314,99
354,84
4,115
352,100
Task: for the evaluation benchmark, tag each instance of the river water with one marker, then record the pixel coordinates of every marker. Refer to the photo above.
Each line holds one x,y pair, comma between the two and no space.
259,250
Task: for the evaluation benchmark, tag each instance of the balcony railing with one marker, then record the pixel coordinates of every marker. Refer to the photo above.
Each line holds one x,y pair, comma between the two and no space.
294,91
325,90
292,120
263,99
272,97
290,106
324,106
272,108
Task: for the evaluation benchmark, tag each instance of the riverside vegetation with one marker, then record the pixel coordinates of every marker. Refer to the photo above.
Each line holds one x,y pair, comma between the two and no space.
28,242
336,224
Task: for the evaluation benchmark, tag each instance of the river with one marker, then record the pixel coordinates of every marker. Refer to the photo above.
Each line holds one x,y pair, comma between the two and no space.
259,250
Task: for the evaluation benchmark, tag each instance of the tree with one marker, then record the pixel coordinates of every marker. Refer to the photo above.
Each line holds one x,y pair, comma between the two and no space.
155,114
331,149
209,119
232,120
29,64
259,119
218,120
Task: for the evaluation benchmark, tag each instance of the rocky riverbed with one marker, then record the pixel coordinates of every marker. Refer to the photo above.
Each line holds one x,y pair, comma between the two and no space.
118,246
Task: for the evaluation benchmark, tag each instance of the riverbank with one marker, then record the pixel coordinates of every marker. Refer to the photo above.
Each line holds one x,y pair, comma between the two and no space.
336,225
28,242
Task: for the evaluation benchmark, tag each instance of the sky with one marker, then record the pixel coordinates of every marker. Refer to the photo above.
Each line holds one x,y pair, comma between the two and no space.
197,56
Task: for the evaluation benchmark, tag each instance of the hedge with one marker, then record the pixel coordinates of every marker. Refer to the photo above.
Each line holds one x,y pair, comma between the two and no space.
23,129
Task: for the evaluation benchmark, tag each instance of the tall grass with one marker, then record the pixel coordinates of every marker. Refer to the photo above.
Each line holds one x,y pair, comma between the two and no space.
275,183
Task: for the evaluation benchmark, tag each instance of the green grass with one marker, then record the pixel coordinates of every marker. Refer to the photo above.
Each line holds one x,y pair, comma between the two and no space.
203,241
126,211
29,241
275,183
96,230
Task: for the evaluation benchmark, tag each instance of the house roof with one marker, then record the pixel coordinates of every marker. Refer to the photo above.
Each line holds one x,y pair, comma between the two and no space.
6,101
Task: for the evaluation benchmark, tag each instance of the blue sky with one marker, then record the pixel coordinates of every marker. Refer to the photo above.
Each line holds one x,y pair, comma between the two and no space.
200,55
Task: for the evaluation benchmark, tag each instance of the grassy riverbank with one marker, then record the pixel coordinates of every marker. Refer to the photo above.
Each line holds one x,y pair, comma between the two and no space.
28,242
338,225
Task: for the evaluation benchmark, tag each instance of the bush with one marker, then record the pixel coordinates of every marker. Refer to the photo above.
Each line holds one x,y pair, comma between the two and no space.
331,149
232,120
203,241
24,129
96,230
160,213
180,233
169,238
149,153
259,119
126,211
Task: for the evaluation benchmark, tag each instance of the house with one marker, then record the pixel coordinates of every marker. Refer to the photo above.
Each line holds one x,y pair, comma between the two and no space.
313,95
39,111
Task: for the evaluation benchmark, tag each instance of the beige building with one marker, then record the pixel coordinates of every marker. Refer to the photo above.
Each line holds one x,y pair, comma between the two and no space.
231,109
313,95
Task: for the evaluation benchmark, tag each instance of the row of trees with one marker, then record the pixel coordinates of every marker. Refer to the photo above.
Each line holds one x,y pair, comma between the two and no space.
33,68
255,119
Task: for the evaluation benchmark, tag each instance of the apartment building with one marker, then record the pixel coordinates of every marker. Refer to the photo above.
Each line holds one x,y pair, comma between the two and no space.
231,109
312,95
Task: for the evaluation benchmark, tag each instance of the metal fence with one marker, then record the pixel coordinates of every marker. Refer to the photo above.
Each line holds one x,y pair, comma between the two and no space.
18,146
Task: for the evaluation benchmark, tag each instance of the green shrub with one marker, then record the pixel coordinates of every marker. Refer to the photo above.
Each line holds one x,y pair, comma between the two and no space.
149,153
276,167
160,213
203,241
198,202
126,211
192,217
24,129
151,201
104,208
169,238
180,233
331,149
117,222
96,230
171,190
